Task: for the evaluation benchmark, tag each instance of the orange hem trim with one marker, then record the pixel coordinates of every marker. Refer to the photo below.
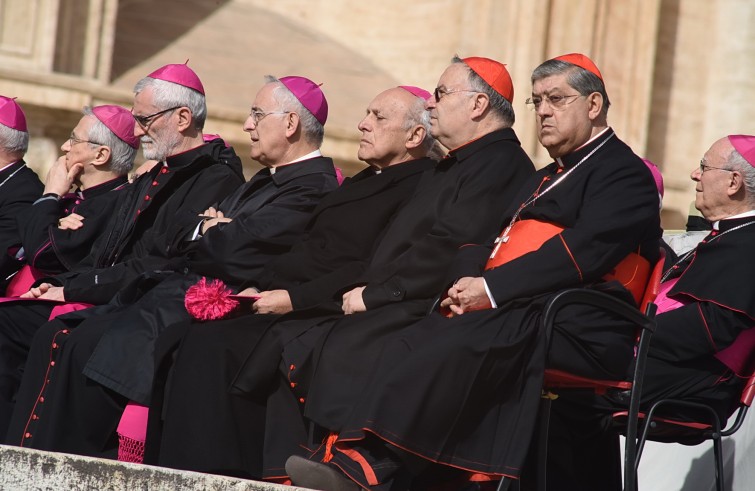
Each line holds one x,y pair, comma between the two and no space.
436,461
354,455
568,251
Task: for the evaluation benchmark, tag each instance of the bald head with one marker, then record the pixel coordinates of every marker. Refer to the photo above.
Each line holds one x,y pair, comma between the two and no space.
394,129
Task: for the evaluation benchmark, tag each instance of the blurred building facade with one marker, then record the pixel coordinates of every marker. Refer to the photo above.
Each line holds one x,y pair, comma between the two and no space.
680,73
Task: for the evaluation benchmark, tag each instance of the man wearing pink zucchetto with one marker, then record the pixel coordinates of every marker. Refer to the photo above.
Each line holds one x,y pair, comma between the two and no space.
701,350
19,185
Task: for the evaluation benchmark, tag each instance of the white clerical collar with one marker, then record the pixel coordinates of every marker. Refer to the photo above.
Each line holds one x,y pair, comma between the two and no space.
310,155
558,159
746,214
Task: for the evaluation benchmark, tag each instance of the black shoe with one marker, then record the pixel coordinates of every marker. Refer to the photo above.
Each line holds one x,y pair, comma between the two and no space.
315,475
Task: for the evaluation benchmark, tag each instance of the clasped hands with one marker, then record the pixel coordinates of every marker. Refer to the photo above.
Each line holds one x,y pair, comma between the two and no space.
466,295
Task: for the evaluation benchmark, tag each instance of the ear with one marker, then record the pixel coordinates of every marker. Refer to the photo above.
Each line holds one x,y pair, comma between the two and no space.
736,183
416,136
595,105
102,157
185,118
292,124
481,104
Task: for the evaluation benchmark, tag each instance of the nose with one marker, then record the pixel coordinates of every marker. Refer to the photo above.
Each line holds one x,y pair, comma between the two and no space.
138,130
66,146
362,126
696,174
430,103
544,109
249,124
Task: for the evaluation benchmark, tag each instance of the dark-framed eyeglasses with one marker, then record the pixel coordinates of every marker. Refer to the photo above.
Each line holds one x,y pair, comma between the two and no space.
145,121
73,140
704,167
258,115
555,101
439,93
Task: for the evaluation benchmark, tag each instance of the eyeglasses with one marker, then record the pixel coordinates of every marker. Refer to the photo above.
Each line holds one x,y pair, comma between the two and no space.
145,121
441,93
73,140
704,167
554,101
258,115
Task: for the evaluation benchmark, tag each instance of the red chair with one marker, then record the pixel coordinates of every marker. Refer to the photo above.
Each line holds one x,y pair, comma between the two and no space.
554,380
694,432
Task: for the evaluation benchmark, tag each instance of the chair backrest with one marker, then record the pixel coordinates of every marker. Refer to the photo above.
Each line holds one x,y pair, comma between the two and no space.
749,391
654,282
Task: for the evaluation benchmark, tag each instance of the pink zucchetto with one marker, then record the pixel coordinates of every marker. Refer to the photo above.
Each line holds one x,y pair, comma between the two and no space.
11,114
416,91
179,74
745,145
118,120
656,175
309,94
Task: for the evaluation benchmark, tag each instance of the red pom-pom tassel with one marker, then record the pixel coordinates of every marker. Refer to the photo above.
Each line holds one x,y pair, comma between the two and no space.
209,301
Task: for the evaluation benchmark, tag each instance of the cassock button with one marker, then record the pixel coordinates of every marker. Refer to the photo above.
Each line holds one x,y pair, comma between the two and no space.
27,435
41,399
78,201
54,345
292,368
301,400
155,183
52,363
146,198
65,331
293,384
138,212
164,170
34,417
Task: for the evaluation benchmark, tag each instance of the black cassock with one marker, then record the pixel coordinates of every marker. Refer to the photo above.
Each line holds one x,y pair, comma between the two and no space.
695,353
460,201
339,240
464,391
51,250
142,233
19,188
269,215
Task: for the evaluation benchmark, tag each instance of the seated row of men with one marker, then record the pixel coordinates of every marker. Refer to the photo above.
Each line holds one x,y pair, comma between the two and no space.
347,372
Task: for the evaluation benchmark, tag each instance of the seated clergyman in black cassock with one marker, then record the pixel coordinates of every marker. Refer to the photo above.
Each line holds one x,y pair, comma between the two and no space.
145,229
58,229
19,185
702,348
460,389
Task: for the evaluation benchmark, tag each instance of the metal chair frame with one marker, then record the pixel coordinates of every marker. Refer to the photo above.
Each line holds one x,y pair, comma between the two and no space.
643,319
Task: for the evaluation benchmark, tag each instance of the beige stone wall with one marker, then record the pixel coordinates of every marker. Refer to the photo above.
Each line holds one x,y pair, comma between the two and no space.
680,73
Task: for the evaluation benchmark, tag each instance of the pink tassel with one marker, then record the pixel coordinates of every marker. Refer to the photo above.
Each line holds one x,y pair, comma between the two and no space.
209,301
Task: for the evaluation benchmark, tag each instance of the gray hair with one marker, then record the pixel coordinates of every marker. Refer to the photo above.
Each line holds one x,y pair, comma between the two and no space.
581,80
738,163
167,94
312,130
13,140
419,115
121,153
498,104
